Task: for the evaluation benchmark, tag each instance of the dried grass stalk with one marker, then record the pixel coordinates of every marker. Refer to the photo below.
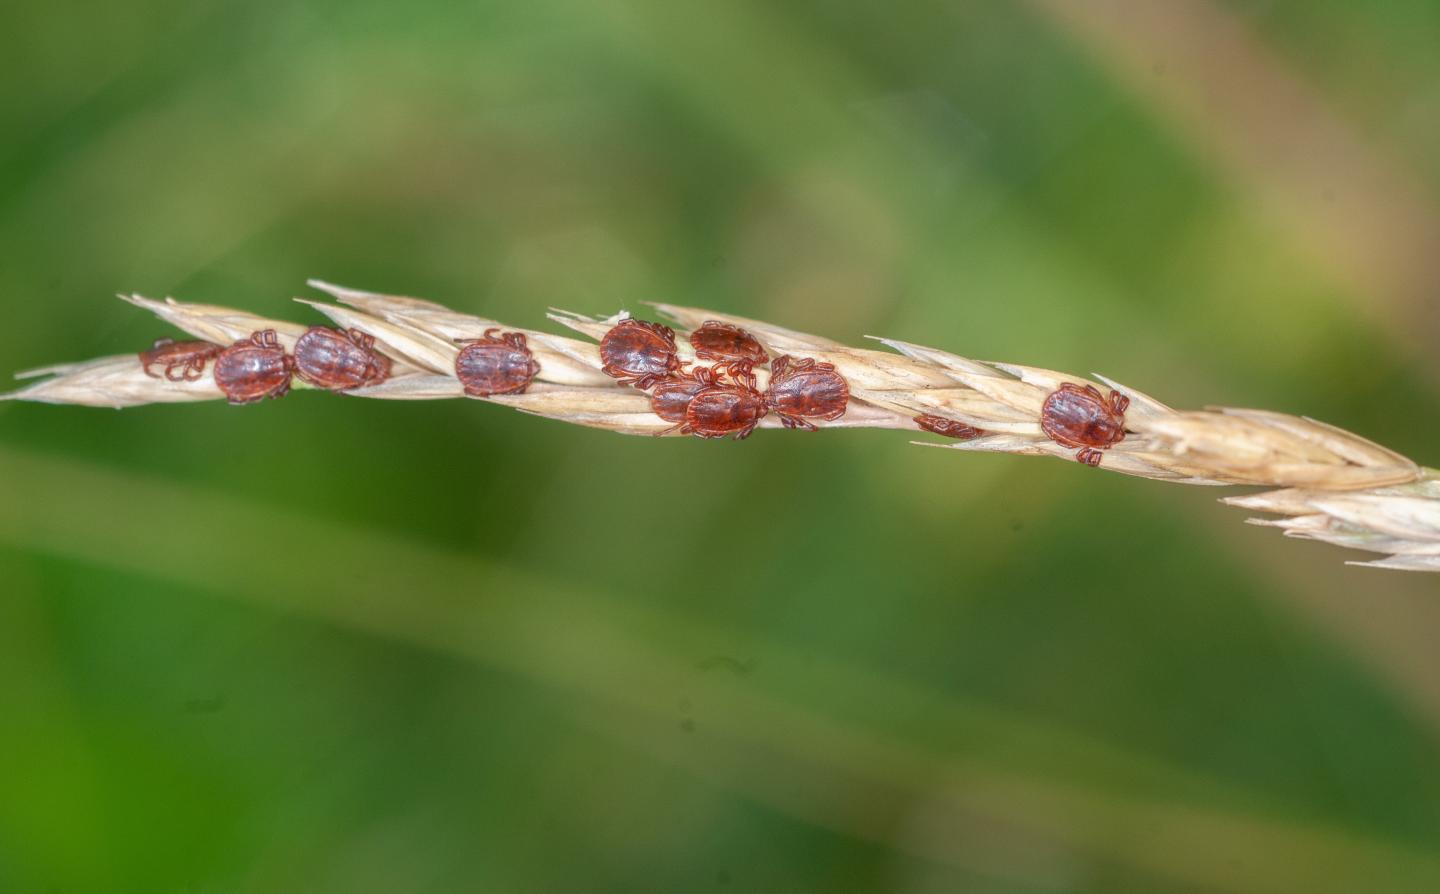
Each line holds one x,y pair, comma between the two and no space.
1334,486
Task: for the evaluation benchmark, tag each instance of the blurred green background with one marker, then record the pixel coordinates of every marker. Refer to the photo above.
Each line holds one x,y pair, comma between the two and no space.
327,645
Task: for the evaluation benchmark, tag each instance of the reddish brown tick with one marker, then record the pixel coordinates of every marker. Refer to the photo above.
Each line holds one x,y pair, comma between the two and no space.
724,343
671,398
950,428
639,353
184,361
803,389
254,368
338,361
726,409
499,363
1080,416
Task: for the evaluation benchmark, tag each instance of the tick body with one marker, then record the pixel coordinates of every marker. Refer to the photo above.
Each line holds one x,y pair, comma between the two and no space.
499,363
802,389
178,361
1080,416
724,343
254,368
338,361
724,409
639,353
950,428
672,397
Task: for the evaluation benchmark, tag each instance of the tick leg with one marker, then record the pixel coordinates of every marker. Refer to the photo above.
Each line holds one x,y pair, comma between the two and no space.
1089,456
619,375
1119,402
798,422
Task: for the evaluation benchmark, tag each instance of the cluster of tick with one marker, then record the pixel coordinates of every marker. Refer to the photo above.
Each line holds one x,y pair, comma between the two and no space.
720,400
258,367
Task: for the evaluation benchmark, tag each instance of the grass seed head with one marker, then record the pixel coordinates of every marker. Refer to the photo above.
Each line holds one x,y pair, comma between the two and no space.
1328,484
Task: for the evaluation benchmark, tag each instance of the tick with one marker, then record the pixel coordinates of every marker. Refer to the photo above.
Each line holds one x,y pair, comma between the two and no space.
803,389
727,409
254,368
338,361
184,361
1080,416
672,397
639,353
950,428
724,343
499,363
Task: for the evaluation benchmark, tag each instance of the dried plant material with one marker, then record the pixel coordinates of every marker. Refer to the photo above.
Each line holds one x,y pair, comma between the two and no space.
617,409
115,382
218,324
1254,447
415,386
1333,486
1403,520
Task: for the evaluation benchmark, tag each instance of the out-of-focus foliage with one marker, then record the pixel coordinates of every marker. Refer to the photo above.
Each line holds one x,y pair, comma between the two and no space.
327,645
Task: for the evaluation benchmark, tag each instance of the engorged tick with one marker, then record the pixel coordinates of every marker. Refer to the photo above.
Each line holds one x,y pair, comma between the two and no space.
803,389
725,409
1080,416
184,361
338,361
724,343
254,368
639,353
499,363
950,428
